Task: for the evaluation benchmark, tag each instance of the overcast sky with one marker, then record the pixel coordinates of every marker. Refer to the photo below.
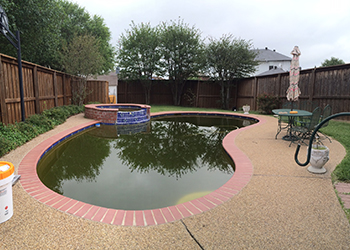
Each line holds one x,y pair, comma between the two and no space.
319,28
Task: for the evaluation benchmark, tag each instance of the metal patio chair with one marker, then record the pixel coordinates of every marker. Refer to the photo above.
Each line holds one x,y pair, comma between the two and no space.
327,111
305,129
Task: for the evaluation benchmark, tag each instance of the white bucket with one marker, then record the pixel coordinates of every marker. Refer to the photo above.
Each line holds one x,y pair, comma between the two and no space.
6,203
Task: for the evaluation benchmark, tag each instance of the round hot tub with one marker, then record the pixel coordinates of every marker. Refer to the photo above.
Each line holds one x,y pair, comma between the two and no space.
118,114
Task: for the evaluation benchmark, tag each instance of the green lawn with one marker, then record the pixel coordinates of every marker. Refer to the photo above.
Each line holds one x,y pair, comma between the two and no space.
160,108
340,131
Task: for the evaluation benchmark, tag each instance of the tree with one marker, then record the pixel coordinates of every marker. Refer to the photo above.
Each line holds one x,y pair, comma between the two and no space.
229,59
48,26
82,58
139,55
182,49
332,62
78,22
39,24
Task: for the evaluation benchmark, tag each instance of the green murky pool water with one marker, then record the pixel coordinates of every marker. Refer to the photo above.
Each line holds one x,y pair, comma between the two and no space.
162,163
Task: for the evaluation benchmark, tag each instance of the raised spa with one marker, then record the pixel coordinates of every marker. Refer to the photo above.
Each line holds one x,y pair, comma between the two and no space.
118,114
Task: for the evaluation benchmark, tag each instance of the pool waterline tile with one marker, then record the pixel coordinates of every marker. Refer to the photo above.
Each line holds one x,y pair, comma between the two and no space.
32,185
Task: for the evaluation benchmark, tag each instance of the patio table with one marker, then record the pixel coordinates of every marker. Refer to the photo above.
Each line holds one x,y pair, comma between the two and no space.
291,117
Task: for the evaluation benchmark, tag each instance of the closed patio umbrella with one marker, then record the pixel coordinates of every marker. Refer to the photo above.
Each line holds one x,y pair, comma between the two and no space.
293,91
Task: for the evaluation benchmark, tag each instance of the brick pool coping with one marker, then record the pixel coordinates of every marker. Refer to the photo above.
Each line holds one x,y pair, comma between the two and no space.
35,188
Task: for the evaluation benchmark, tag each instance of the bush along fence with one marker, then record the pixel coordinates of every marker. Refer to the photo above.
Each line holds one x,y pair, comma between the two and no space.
319,87
43,89
15,135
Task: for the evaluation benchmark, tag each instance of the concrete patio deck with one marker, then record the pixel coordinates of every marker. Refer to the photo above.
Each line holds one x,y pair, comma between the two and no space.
282,207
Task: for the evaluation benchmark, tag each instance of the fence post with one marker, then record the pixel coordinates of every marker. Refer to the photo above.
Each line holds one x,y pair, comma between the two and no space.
36,90
126,92
55,88
3,110
279,85
64,89
197,94
255,90
312,85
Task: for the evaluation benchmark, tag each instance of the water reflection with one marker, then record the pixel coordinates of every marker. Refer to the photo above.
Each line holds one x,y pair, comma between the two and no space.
79,158
175,148
169,158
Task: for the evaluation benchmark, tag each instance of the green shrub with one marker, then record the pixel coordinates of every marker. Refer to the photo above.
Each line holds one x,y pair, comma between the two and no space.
27,130
40,122
74,109
56,115
267,102
14,135
5,146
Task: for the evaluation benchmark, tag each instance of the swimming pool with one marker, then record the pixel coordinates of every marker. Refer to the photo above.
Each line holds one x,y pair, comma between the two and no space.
179,159
135,217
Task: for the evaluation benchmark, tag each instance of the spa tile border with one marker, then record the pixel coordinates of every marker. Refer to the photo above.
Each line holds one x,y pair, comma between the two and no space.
35,188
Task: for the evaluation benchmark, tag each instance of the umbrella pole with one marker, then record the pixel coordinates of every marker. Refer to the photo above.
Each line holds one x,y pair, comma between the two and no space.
291,105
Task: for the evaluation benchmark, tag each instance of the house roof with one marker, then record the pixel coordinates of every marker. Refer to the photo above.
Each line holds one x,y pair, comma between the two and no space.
272,72
111,78
267,55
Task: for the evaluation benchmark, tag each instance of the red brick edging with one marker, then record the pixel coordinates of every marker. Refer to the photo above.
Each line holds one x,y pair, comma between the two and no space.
35,188
344,193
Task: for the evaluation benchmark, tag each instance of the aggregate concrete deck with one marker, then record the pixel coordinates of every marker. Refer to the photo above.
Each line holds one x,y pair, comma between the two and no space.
282,207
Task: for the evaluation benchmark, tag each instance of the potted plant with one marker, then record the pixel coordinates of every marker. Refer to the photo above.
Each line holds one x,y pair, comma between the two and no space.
246,109
319,157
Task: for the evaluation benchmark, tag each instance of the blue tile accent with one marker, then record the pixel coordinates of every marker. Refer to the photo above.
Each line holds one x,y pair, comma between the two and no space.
62,139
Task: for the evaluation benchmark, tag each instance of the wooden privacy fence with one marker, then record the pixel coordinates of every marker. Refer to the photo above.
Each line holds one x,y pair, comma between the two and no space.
204,94
43,89
319,87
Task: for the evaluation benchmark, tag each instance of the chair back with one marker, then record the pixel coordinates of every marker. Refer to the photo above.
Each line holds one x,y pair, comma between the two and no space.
327,111
315,118
287,105
308,105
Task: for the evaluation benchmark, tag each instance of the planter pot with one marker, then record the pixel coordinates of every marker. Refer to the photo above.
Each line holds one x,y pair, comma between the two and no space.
319,157
246,109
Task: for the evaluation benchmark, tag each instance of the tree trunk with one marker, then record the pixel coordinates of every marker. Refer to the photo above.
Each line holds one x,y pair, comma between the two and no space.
147,90
227,96
176,89
173,88
180,90
223,102
80,93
